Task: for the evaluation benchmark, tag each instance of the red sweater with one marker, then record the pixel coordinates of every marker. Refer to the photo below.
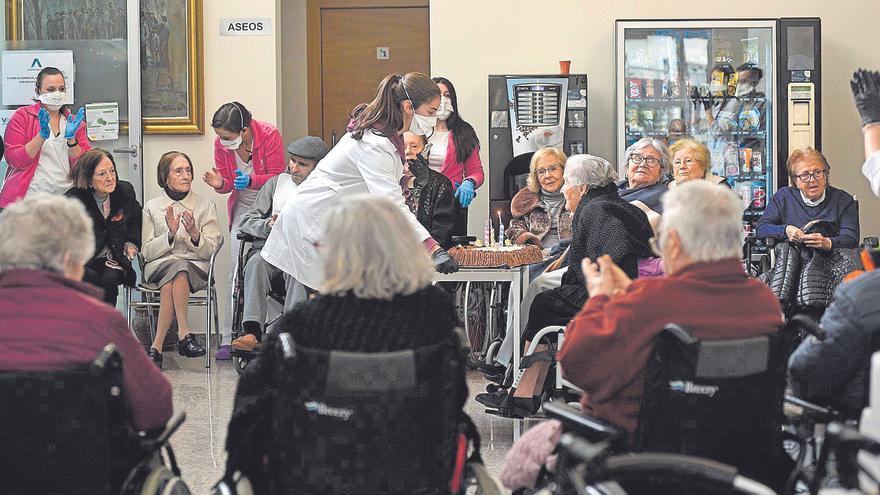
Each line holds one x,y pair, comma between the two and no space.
48,322
607,345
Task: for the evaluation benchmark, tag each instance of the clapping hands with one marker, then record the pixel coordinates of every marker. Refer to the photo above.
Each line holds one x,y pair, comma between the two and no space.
604,278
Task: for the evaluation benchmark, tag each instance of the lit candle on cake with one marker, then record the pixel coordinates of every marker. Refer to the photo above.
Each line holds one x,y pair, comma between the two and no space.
500,230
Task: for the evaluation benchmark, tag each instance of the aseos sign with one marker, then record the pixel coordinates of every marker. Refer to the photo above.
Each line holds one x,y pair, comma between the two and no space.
248,26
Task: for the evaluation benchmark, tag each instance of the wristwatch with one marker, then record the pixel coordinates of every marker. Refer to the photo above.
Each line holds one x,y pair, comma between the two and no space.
74,145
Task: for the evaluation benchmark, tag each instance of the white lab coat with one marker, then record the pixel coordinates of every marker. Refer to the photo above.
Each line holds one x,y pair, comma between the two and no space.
369,165
871,171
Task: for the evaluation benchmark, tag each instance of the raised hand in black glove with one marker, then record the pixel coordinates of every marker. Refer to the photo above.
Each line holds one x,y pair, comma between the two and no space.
420,169
444,263
865,86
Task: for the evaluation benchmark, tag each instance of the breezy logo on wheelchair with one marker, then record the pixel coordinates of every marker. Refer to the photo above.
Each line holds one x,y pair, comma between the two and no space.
689,387
322,409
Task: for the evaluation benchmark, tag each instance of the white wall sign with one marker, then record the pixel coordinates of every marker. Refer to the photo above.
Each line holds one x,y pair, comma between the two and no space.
383,53
20,69
246,26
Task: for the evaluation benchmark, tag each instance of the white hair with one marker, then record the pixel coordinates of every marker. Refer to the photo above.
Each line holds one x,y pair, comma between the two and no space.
658,146
38,231
707,218
370,249
589,170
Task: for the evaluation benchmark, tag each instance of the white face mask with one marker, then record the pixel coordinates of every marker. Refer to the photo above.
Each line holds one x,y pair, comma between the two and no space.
231,145
421,125
744,89
54,100
445,109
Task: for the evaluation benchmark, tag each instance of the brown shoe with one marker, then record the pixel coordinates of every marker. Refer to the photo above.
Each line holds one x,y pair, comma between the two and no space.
247,342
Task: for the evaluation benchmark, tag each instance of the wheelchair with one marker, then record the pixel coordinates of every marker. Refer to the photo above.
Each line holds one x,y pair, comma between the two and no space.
348,422
52,418
717,400
240,358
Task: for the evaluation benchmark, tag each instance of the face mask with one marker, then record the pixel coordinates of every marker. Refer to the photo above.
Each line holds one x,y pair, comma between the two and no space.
445,109
231,145
743,89
54,100
422,125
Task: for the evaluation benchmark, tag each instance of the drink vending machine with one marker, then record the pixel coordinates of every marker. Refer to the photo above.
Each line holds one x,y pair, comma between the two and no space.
748,89
526,113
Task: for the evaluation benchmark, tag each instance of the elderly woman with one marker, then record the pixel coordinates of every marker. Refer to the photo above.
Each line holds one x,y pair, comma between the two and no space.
646,162
51,320
603,224
691,160
116,220
376,296
810,198
180,231
539,214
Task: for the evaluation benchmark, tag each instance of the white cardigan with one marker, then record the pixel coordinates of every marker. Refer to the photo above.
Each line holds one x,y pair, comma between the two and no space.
154,235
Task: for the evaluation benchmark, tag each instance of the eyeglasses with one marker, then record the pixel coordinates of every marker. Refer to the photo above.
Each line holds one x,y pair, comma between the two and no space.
650,161
540,172
815,174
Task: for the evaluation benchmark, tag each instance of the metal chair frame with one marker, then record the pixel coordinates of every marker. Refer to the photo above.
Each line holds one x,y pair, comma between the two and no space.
206,297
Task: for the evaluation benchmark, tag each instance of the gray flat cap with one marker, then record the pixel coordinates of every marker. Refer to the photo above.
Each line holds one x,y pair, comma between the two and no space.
310,147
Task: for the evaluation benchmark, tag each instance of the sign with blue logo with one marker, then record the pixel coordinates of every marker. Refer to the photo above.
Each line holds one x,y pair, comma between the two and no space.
20,69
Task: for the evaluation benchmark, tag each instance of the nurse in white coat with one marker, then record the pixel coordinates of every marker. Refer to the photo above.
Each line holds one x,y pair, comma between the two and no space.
866,93
368,159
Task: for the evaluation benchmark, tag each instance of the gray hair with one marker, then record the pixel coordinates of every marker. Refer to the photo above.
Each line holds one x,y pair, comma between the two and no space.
589,170
658,146
370,249
38,231
707,218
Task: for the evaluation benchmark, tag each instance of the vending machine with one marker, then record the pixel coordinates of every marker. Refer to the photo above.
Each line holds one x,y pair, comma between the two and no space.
748,89
526,113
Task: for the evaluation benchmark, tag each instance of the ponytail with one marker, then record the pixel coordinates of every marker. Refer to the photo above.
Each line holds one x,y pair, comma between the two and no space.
384,114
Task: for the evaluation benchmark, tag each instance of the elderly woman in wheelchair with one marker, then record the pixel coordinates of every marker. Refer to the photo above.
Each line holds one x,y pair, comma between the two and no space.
360,389
54,326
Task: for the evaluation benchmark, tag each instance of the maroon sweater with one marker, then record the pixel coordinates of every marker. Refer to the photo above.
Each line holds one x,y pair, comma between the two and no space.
49,322
607,345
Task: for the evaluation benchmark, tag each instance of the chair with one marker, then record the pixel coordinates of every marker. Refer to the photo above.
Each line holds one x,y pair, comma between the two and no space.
208,299
721,400
52,418
348,422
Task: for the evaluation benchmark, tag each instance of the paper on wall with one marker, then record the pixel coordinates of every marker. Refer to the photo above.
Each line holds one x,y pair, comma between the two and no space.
102,121
20,69
696,51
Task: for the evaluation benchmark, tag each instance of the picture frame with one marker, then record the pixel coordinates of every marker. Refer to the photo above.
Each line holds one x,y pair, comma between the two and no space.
172,50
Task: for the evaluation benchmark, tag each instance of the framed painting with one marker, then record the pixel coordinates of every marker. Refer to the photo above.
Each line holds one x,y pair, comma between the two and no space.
172,49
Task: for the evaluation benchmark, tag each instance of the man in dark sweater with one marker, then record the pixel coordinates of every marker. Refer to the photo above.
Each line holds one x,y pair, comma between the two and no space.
810,198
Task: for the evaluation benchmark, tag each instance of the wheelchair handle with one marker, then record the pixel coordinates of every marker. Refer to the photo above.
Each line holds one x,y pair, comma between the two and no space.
823,414
171,426
573,417
109,358
810,325
242,236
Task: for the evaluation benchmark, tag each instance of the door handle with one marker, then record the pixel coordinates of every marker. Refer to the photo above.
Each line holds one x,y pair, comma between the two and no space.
131,150
333,139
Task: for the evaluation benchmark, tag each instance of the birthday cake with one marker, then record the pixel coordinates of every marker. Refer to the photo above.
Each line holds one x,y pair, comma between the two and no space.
509,256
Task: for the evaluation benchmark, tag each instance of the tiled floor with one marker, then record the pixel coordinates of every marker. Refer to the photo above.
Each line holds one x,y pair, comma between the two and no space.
207,396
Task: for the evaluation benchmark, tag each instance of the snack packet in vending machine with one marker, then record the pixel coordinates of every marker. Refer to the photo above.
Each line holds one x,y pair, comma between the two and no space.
757,162
635,87
745,160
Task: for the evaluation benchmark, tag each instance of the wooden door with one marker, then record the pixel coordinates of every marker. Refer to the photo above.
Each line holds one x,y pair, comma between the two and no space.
350,69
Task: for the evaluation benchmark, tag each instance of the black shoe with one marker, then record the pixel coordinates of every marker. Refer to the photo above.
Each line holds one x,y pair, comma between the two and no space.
156,356
189,347
492,400
492,369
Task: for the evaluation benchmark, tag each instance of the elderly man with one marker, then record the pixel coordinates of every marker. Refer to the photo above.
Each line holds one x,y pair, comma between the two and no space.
305,153
50,319
603,224
608,343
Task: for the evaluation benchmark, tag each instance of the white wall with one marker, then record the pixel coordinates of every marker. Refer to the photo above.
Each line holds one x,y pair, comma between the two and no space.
241,68
293,69
470,40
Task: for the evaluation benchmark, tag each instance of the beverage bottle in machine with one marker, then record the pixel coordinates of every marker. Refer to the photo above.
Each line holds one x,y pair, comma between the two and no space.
731,160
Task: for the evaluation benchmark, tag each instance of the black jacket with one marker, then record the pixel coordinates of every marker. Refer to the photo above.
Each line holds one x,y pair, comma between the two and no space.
121,226
605,224
431,200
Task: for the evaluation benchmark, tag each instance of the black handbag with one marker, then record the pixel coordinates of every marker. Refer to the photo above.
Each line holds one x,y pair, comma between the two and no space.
822,271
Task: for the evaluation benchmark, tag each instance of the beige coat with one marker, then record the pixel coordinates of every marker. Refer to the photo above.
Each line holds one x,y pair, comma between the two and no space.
155,247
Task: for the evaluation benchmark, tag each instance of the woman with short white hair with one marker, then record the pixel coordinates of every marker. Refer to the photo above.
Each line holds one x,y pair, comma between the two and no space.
603,224
376,296
647,162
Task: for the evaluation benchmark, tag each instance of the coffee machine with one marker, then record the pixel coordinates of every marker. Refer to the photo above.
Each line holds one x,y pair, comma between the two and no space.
526,113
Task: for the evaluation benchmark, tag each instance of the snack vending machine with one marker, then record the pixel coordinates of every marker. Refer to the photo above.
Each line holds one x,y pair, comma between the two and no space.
526,113
748,89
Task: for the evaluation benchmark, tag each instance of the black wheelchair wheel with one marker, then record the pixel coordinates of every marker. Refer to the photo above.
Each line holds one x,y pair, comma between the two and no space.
240,363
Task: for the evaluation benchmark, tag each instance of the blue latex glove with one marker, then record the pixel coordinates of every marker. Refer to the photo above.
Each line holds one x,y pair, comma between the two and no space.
73,123
465,193
242,180
43,117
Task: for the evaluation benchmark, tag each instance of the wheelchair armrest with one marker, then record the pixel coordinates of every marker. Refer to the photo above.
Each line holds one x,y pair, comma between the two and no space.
812,412
151,443
770,242
242,236
806,323
593,429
